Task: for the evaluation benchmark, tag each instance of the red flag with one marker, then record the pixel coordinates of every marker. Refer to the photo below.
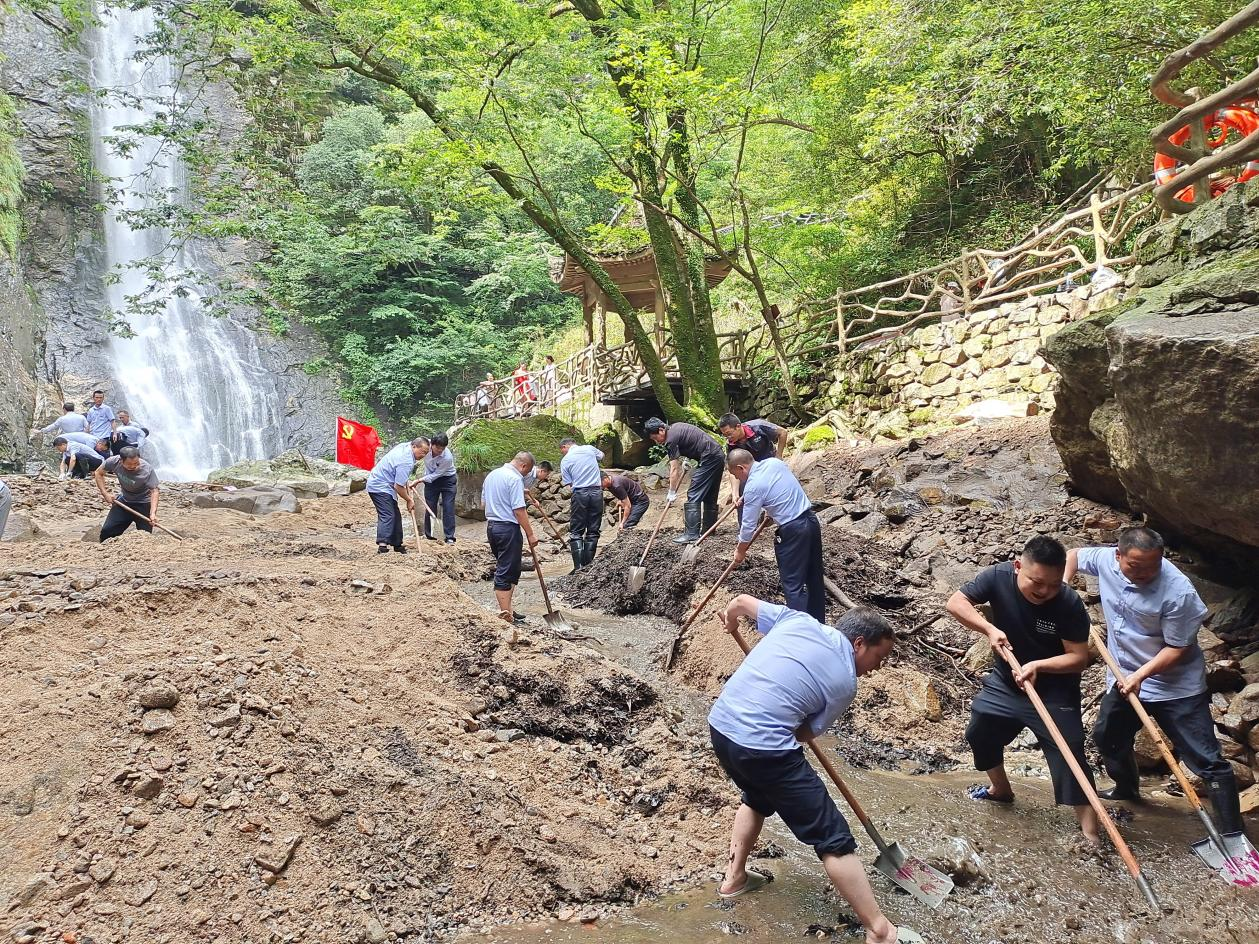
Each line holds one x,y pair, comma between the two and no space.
356,443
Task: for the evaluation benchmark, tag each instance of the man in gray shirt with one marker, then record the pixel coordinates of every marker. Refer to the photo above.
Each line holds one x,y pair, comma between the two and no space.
138,489
440,482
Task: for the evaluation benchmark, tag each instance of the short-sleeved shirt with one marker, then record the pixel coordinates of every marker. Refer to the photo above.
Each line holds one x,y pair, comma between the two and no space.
761,439
439,467
139,482
580,467
67,423
502,493
100,420
394,468
801,672
83,439
771,487
131,434
76,448
1036,631
625,488
683,439
1140,621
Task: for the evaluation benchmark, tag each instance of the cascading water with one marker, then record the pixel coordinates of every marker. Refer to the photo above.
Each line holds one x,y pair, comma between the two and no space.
197,382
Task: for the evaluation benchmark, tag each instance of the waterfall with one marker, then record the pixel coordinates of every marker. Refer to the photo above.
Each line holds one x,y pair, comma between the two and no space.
196,381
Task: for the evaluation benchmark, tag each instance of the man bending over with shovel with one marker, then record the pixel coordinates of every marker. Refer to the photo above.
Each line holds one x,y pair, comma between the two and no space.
683,439
138,487
1045,623
1153,614
790,688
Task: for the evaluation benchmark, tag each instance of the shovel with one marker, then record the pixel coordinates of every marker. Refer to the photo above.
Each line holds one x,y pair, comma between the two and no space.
1129,860
638,573
691,551
1232,856
131,511
916,876
555,621
547,518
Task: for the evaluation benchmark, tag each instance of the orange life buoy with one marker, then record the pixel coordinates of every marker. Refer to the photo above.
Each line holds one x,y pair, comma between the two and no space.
1239,118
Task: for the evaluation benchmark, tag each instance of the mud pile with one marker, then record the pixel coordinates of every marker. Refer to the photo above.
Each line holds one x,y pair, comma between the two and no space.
269,732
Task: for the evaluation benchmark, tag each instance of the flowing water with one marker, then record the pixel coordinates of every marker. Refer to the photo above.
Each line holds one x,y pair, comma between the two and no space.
198,382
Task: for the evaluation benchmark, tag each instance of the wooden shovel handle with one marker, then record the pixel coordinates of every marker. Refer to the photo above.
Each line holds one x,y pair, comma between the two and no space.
131,511
547,518
537,569
1108,824
1148,722
717,586
654,531
716,524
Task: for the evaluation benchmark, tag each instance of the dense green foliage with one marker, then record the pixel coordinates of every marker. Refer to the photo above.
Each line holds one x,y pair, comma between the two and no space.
811,145
486,444
11,173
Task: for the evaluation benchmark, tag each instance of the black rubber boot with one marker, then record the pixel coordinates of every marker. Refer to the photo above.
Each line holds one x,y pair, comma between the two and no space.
1228,807
591,545
576,550
708,517
692,512
1122,770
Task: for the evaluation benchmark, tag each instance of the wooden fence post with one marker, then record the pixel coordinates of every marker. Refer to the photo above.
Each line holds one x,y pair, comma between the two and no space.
841,329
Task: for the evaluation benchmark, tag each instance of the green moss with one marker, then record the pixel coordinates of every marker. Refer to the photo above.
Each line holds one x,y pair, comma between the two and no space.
11,174
818,438
606,439
486,444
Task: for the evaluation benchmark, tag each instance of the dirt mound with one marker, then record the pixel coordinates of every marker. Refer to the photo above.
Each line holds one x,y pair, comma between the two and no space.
274,733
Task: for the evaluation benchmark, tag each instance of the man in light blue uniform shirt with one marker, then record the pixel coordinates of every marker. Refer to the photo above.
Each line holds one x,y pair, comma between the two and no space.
440,481
387,485
68,422
792,686
128,433
1153,614
507,527
100,417
579,469
769,485
78,459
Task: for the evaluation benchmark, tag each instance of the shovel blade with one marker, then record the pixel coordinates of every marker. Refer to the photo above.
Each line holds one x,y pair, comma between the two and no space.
1240,868
558,622
689,553
929,885
637,577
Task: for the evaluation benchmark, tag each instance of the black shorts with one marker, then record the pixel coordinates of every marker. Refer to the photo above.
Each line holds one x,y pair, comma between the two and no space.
507,542
784,782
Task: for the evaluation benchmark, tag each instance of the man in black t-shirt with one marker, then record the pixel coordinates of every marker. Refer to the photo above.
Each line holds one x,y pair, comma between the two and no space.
631,497
684,439
1046,625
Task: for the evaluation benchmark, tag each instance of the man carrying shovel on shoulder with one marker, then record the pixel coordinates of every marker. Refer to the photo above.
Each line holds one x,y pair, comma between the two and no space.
1046,625
792,686
138,489
1153,614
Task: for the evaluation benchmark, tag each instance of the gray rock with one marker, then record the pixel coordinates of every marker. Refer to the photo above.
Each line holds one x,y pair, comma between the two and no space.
326,812
148,787
102,870
158,694
306,476
229,717
277,858
254,500
157,721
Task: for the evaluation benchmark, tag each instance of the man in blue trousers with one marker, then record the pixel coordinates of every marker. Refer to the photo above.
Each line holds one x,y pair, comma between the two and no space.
387,485
440,481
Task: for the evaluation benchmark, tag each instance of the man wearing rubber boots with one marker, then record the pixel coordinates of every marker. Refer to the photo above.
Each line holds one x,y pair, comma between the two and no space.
684,440
579,469
792,686
769,485
631,497
1153,614
1046,625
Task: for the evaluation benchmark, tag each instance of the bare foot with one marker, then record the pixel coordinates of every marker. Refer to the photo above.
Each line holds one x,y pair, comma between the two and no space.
733,882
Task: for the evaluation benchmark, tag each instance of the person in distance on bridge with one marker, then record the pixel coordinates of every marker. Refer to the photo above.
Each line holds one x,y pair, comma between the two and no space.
507,526
440,482
630,495
579,469
1046,625
79,459
138,489
793,685
387,484
68,422
759,437
684,440
1153,614
769,486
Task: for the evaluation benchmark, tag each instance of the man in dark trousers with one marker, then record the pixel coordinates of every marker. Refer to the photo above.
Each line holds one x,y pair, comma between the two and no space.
387,484
79,458
794,684
138,489
761,438
769,486
579,469
507,527
440,481
631,497
684,440
1153,614
1046,625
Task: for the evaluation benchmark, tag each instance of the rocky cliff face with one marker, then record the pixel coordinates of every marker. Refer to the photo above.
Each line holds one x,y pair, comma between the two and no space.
1158,407
54,335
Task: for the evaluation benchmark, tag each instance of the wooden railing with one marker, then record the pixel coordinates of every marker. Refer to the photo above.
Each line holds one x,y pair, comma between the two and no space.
1198,162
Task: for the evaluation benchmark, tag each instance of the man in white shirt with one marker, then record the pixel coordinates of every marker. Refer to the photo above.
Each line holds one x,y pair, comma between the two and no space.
507,527
440,482
579,469
68,422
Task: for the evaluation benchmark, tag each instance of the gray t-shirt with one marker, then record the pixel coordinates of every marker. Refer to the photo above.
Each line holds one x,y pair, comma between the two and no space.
137,483
684,439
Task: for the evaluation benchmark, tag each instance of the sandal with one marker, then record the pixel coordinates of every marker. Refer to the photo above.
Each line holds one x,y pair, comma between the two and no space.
985,793
755,880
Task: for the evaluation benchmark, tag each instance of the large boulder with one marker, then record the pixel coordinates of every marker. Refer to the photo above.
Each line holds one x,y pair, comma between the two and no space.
1157,406
255,500
484,445
306,476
